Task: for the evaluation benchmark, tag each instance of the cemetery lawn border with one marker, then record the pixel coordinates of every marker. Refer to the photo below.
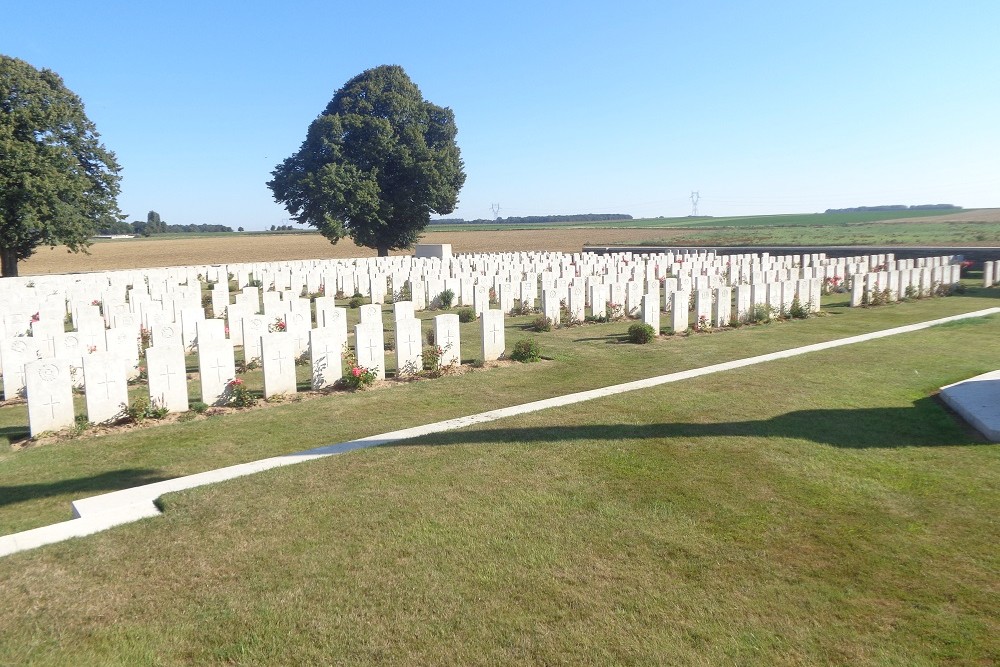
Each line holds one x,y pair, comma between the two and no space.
815,510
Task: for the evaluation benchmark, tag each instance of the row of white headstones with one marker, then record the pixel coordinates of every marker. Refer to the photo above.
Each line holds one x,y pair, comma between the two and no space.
102,352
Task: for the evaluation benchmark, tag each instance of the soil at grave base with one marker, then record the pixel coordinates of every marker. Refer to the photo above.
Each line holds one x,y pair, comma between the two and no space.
100,430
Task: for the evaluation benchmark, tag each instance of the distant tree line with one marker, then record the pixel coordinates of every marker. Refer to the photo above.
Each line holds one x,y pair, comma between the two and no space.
154,225
513,220
895,207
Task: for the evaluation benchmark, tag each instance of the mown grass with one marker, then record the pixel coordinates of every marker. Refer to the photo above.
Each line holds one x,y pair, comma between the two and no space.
38,483
818,510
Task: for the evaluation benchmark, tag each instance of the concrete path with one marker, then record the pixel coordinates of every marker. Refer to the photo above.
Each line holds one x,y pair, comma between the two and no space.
99,513
978,401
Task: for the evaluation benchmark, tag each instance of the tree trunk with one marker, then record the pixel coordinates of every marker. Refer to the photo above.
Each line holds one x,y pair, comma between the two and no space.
383,250
8,262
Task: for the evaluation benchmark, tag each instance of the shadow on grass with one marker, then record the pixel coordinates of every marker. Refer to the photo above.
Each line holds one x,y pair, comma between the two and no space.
107,481
14,434
926,424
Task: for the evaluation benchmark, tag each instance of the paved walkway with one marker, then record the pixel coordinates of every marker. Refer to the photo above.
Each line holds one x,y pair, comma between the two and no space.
99,513
978,401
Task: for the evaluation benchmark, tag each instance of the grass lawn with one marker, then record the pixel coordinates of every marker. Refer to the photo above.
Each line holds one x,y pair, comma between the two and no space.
817,510
38,483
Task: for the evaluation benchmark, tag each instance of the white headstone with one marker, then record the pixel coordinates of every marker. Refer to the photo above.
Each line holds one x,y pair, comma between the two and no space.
651,311
217,368
105,385
369,347
409,347
278,361
50,395
167,373
254,326
447,337
493,335
325,349
371,313
679,302
16,353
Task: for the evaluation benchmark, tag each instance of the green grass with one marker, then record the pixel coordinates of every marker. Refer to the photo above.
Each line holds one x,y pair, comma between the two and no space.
817,510
39,482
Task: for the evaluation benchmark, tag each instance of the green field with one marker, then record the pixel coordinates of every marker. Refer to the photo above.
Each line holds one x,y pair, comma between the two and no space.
817,510
790,220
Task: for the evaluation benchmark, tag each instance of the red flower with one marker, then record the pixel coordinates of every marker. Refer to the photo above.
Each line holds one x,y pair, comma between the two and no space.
356,372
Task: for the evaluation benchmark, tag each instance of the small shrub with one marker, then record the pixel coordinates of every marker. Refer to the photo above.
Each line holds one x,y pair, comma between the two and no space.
761,313
145,339
251,364
522,307
359,377
446,298
157,411
878,298
542,324
614,312
198,407
704,324
80,424
356,301
526,350
402,294
466,315
798,310
641,333
136,411
432,360
238,394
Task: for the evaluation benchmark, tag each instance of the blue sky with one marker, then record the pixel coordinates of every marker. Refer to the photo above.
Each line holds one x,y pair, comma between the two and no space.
766,107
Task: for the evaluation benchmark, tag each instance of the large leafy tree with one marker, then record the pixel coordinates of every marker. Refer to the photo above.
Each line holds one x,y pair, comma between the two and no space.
375,164
58,184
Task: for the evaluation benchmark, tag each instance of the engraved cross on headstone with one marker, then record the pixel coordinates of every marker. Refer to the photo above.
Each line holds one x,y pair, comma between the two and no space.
106,381
410,342
167,372
218,368
52,403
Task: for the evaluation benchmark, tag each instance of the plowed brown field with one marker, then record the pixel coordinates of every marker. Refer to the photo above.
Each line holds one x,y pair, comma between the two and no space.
139,253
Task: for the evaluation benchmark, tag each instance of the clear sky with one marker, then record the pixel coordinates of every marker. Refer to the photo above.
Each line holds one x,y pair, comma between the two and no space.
562,107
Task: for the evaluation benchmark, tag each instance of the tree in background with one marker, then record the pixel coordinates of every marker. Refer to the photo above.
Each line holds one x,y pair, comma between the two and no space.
375,164
58,183
154,225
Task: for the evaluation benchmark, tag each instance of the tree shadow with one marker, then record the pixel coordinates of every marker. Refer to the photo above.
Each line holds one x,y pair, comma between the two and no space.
927,424
106,481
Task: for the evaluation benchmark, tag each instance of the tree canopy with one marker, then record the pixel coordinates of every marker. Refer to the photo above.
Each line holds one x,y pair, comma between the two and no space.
375,165
58,183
